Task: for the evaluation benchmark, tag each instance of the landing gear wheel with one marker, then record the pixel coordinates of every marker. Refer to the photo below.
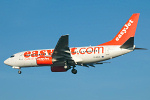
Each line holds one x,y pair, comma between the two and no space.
74,71
19,72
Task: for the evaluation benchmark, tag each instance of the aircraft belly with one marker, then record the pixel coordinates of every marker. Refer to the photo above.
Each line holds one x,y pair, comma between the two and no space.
86,58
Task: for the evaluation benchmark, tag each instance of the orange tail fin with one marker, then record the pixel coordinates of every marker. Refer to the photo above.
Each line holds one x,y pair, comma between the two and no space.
127,31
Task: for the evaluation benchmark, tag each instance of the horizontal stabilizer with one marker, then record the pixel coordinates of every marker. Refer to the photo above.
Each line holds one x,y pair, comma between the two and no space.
102,62
140,49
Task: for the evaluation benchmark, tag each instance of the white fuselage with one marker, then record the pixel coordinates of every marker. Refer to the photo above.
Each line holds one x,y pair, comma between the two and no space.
61,59
80,55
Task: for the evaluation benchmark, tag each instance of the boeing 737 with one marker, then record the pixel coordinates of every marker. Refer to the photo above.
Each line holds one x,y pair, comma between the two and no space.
62,58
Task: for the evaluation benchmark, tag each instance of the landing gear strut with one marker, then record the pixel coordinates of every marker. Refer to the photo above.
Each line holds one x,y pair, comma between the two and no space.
74,71
19,72
66,67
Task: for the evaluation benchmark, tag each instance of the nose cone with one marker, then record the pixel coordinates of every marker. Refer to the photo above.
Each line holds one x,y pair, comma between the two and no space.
7,62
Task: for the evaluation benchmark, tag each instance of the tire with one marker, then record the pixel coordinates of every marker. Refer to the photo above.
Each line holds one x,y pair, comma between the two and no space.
19,72
74,71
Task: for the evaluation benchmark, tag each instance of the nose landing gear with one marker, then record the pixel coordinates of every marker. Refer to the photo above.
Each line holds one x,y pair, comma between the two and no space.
19,72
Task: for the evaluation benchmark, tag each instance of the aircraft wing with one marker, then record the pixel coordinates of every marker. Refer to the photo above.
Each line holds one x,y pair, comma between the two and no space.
62,52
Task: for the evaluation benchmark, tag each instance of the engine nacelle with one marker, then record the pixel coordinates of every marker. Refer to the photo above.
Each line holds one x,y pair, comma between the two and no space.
58,69
44,61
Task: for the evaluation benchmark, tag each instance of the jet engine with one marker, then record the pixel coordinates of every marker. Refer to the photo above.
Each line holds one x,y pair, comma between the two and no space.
44,61
58,69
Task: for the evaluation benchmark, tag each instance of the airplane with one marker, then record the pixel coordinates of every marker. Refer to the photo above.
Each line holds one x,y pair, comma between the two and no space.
62,58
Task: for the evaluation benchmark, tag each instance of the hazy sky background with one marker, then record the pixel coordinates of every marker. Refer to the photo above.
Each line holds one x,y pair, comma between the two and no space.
38,24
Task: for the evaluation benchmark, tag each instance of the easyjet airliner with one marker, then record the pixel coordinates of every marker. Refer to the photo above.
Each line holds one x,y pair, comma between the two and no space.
62,58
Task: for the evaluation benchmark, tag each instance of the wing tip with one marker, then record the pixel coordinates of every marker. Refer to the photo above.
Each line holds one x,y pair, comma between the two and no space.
66,35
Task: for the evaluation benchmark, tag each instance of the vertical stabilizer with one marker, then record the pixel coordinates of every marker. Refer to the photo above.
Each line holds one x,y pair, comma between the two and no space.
127,31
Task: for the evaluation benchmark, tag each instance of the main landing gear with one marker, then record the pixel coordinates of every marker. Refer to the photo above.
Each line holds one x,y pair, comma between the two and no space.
74,71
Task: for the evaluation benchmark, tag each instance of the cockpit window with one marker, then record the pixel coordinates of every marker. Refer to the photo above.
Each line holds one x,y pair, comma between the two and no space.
11,56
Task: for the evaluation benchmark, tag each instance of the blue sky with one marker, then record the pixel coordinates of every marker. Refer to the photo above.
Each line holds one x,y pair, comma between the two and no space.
38,24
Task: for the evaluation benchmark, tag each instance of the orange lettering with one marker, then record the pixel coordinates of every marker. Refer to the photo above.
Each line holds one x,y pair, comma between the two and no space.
73,51
89,51
82,52
50,52
42,53
27,54
34,54
98,48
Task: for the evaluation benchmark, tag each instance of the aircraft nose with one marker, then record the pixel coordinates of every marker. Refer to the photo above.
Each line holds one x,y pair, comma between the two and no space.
7,62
